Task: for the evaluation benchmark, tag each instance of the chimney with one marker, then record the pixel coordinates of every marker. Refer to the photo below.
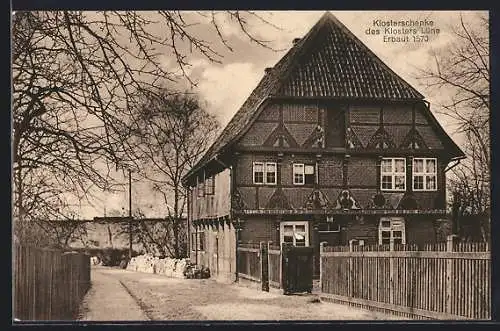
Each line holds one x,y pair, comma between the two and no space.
268,70
295,41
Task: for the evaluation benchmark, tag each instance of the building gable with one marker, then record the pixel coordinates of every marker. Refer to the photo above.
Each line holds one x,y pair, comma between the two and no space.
328,62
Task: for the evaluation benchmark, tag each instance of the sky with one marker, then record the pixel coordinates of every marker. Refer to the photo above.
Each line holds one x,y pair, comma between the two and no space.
225,86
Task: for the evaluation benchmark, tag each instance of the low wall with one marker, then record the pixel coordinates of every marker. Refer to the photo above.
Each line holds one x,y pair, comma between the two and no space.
154,265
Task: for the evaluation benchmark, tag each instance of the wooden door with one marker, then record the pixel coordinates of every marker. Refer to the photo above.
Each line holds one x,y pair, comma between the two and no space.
297,269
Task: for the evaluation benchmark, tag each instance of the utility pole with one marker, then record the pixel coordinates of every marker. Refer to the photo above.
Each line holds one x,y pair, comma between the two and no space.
130,214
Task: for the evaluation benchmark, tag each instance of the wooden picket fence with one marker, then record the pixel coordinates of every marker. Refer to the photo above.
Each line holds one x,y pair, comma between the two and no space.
48,284
249,261
274,262
436,281
260,263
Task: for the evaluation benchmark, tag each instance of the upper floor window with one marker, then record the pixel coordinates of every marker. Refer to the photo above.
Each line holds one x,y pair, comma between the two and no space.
210,185
264,173
393,174
201,189
298,174
303,174
424,174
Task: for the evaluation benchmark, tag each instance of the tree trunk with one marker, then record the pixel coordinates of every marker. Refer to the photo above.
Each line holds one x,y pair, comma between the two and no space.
175,221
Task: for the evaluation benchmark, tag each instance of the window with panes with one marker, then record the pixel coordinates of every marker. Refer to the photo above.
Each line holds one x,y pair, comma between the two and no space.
264,173
393,174
198,240
295,233
303,174
201,188
210,186
392,228
424,174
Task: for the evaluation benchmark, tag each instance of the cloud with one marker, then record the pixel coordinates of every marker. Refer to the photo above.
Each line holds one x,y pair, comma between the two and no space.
225,88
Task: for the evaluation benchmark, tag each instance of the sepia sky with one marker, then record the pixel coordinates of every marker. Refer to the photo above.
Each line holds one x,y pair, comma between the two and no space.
225,86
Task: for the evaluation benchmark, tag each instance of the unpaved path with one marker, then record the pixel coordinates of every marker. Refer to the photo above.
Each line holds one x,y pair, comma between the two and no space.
163,298
109,300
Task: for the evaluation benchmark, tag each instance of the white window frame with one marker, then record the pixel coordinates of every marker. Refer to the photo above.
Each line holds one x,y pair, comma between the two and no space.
265,172
295,224
299,169
393,174
267,164
396,224
425,174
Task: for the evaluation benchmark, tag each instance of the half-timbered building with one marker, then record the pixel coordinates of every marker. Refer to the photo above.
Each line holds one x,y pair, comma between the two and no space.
331,145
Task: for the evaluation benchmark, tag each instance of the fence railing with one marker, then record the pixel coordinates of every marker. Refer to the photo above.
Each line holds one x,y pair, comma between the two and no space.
48,284
436,281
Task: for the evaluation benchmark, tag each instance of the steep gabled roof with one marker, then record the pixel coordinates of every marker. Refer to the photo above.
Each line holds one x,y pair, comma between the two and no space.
330,62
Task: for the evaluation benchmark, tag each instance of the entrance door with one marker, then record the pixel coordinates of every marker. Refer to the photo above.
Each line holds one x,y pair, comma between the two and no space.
297,257
297,269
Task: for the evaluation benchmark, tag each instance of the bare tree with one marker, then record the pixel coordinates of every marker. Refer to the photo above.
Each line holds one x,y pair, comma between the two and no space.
174,133
76,75
462,71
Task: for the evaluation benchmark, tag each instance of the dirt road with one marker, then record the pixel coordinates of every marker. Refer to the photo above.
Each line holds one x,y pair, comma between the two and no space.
125,295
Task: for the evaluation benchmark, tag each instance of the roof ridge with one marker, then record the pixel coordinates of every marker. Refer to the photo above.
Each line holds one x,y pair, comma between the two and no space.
299,49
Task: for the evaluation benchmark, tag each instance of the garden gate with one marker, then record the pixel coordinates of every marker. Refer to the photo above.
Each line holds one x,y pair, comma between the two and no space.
297,272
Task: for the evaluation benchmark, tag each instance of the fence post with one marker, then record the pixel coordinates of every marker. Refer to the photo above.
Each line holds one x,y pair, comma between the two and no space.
284,268
268,262
321,266
350,274
391,273
450,241
264,264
